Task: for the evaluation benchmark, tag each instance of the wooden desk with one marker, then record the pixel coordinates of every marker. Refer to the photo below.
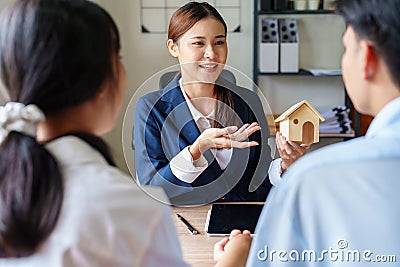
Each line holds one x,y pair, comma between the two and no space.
197,249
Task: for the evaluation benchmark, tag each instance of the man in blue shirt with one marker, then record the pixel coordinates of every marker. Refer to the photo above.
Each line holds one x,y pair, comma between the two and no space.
339,206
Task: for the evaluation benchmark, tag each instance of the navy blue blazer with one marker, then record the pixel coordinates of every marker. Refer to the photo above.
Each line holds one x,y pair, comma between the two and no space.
163,126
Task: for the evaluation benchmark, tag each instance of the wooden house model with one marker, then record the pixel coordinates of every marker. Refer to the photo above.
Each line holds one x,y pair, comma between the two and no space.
300,123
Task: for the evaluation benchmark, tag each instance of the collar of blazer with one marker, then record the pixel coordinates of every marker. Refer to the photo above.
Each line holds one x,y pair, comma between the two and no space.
177,112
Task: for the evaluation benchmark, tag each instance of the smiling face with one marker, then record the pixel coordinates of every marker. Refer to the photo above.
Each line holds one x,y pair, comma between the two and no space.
201,51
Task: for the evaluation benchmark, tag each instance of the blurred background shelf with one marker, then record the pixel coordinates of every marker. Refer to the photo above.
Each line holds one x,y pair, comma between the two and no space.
306,72
294,12
337,135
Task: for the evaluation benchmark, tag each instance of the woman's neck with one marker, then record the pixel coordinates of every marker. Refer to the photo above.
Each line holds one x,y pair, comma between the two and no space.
197,90
202,96
69,121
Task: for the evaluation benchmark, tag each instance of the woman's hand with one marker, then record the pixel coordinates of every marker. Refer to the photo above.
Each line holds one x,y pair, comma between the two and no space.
228,137
233,251
289,151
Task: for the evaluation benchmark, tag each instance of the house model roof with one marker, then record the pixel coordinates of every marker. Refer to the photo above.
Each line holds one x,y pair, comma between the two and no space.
295,107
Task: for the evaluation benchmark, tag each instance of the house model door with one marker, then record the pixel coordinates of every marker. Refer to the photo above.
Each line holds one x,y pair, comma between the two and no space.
308,133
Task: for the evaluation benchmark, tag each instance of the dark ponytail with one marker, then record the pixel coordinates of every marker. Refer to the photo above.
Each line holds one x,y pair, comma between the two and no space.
31,195
54,54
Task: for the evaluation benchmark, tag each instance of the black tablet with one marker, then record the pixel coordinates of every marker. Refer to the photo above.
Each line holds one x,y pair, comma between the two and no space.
223,218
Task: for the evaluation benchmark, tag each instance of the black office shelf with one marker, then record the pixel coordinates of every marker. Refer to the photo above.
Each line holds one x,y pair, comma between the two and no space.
352,134
294,12
301,72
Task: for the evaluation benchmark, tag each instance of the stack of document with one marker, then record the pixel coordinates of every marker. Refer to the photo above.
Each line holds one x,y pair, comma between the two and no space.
336,121
325,72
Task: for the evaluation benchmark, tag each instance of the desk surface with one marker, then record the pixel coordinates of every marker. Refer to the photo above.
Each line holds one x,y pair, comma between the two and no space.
198,250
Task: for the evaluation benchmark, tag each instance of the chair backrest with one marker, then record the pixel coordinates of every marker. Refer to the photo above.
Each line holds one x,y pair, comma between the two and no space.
169,76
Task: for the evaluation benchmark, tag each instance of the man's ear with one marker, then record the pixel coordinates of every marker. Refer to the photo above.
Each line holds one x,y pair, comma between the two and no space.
370,59
173,48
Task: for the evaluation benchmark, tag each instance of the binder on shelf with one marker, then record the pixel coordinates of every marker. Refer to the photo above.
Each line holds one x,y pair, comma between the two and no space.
289,45
267,5
269,46
280,4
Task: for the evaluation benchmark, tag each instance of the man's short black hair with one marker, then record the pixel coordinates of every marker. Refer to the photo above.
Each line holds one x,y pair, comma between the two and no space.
377,21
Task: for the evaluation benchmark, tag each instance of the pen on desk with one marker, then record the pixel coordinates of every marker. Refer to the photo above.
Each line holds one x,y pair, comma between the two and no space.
191,229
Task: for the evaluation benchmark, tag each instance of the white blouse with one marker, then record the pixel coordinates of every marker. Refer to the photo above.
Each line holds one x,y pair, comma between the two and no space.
182,165
106,219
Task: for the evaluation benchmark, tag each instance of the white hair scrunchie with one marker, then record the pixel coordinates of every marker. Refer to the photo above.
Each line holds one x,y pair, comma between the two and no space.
17,117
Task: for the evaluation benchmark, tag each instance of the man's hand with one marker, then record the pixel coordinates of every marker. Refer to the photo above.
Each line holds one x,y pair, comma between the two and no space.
289,151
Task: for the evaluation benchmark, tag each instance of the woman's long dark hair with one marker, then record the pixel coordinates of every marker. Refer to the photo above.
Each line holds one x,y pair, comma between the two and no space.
55,54
183,20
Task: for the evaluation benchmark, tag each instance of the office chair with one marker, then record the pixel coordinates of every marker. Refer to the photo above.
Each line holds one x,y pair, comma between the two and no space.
169,76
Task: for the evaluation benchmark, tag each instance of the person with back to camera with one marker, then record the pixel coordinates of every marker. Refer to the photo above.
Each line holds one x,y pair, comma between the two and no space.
342,201
183,134
62,202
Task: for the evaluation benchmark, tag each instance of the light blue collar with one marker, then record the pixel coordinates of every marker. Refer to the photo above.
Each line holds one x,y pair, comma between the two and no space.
386,119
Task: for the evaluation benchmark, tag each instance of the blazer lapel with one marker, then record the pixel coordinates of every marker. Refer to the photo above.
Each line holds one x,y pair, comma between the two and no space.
179,116
178,113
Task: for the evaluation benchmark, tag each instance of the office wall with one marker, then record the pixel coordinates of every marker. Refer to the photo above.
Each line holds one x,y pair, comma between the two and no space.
146,54
3,3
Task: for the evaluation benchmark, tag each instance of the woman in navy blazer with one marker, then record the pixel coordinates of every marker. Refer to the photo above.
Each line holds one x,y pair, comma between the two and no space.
203,138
